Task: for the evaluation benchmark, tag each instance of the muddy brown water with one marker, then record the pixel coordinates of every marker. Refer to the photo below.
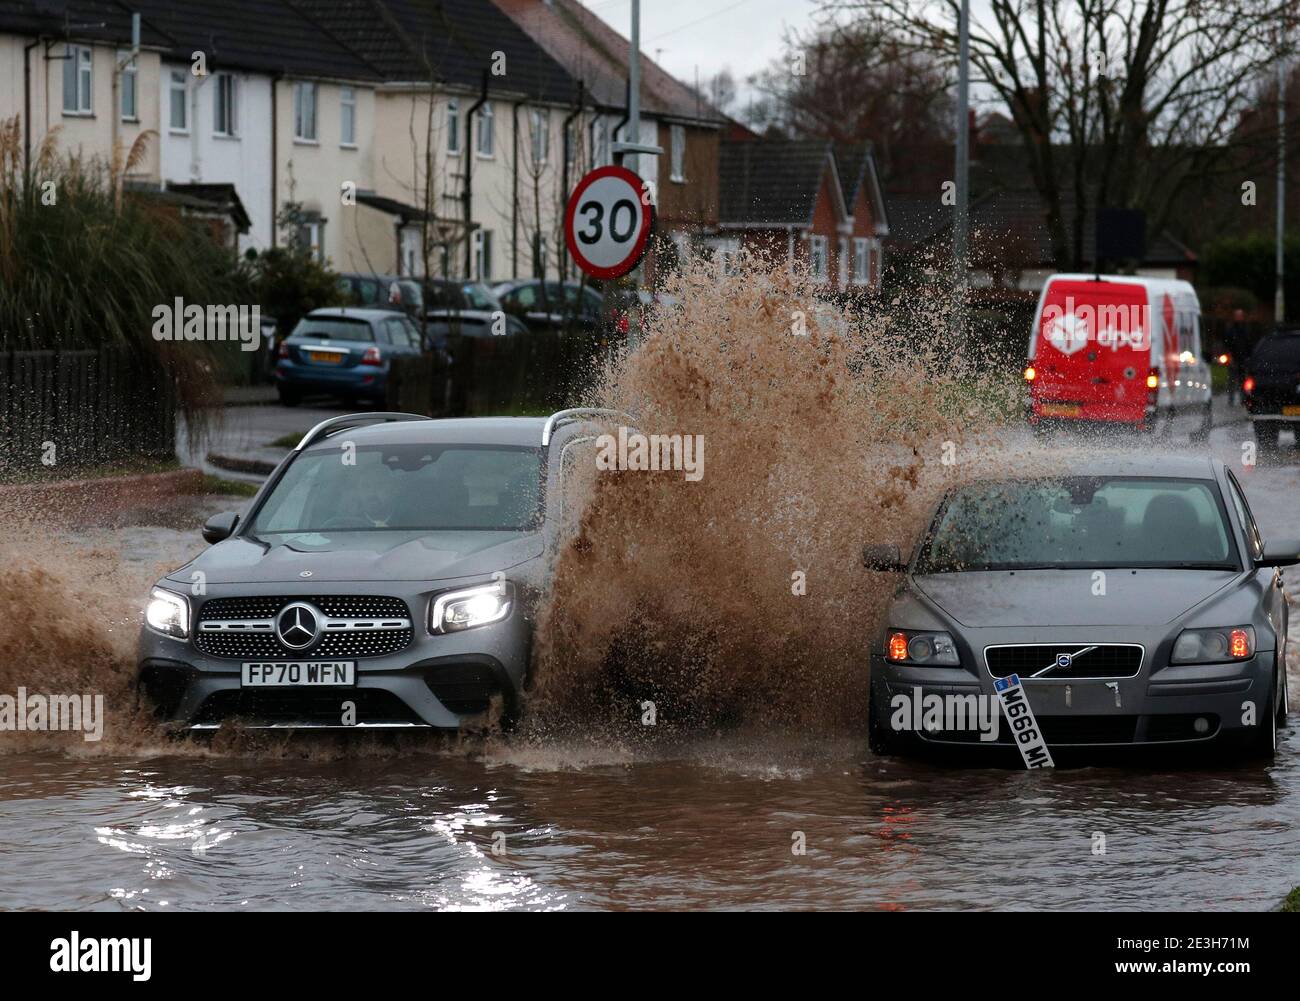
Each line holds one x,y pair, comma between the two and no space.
714,827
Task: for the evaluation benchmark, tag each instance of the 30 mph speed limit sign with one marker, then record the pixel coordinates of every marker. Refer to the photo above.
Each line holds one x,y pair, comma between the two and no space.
607,222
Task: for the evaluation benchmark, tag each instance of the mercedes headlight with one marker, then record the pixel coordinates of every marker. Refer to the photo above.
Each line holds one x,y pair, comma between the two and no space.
168,613
1214,646
474,606
928,649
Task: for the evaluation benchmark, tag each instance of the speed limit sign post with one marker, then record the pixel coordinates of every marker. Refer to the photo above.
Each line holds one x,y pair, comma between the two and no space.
608,220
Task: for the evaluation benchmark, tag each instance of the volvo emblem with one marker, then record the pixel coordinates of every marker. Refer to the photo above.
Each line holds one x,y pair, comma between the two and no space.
304,573
1064,660
298,625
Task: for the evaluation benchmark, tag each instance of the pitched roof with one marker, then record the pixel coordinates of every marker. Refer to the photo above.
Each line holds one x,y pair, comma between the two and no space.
80,20
771,181
593,52
455,40
266,36
857,170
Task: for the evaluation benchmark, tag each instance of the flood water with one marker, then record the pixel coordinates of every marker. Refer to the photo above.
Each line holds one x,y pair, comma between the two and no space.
713,828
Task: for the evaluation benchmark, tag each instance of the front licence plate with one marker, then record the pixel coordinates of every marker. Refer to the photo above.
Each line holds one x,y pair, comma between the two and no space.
1020,717
298,673
1291,411
1060,409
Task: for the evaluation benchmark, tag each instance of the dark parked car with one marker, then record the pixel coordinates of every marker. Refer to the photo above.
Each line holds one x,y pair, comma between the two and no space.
343,352
1271,387
475,323
385,292
551,305
443,294
396,590
1133,599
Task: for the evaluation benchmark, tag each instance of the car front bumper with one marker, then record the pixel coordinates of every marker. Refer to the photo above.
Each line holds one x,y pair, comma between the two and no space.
1154,708
438,680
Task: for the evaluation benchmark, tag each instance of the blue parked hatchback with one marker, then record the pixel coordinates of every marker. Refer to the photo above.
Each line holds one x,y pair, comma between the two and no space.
343,352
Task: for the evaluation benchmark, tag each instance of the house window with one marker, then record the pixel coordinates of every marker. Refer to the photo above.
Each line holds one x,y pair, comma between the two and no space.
484,145
348,116
678,135
842,252
726,252
223,105
412,257
177,90
861,261
453,126
482,246
304,112
77,80
311,238
570,144
129,104
540,122
818,251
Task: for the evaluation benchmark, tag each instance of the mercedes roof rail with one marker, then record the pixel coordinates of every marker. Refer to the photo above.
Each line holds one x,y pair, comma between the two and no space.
328,427
561,417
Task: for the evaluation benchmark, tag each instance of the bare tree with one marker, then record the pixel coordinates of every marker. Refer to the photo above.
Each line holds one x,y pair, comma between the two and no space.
854,80
1119,103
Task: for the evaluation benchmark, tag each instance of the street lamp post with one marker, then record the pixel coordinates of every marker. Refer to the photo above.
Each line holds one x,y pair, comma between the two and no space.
961,213
1279,290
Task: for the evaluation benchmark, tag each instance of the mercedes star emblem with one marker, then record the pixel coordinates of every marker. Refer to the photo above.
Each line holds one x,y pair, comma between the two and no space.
298,625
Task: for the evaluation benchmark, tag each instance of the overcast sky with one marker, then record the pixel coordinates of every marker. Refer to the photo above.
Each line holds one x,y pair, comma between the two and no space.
681,35
742,35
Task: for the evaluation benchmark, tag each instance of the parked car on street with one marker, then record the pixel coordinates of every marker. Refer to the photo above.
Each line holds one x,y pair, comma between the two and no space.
1134,598
385,292
395,591
475,323
1271,387
343,352
552,305
445,294
1118,351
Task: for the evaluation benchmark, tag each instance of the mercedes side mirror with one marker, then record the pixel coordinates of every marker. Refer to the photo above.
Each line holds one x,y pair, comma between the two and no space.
1283,553
220,526
882,557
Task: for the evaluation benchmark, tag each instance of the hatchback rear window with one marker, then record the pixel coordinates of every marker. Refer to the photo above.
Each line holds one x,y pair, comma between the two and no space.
334,328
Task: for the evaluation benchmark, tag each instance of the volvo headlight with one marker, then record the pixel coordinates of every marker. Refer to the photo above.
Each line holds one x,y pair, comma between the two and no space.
474,606
929,649
168,613
1214,646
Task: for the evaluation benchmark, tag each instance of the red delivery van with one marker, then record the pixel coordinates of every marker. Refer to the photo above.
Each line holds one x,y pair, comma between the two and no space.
1119,350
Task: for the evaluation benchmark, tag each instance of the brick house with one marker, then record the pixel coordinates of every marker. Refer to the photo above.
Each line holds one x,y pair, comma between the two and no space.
791,200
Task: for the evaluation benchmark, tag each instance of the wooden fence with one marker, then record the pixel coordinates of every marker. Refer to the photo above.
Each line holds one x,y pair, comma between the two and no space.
94,406
484,375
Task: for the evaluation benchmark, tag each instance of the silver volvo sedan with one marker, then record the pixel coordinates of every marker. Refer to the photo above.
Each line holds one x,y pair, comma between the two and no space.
1127,602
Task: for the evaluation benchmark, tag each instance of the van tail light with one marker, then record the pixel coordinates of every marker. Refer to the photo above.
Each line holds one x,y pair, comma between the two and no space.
1248,384
284,350
372,356
622,323
1030,373
1153,380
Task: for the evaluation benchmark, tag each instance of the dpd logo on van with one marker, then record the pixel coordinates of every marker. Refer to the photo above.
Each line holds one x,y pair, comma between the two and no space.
1068,333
